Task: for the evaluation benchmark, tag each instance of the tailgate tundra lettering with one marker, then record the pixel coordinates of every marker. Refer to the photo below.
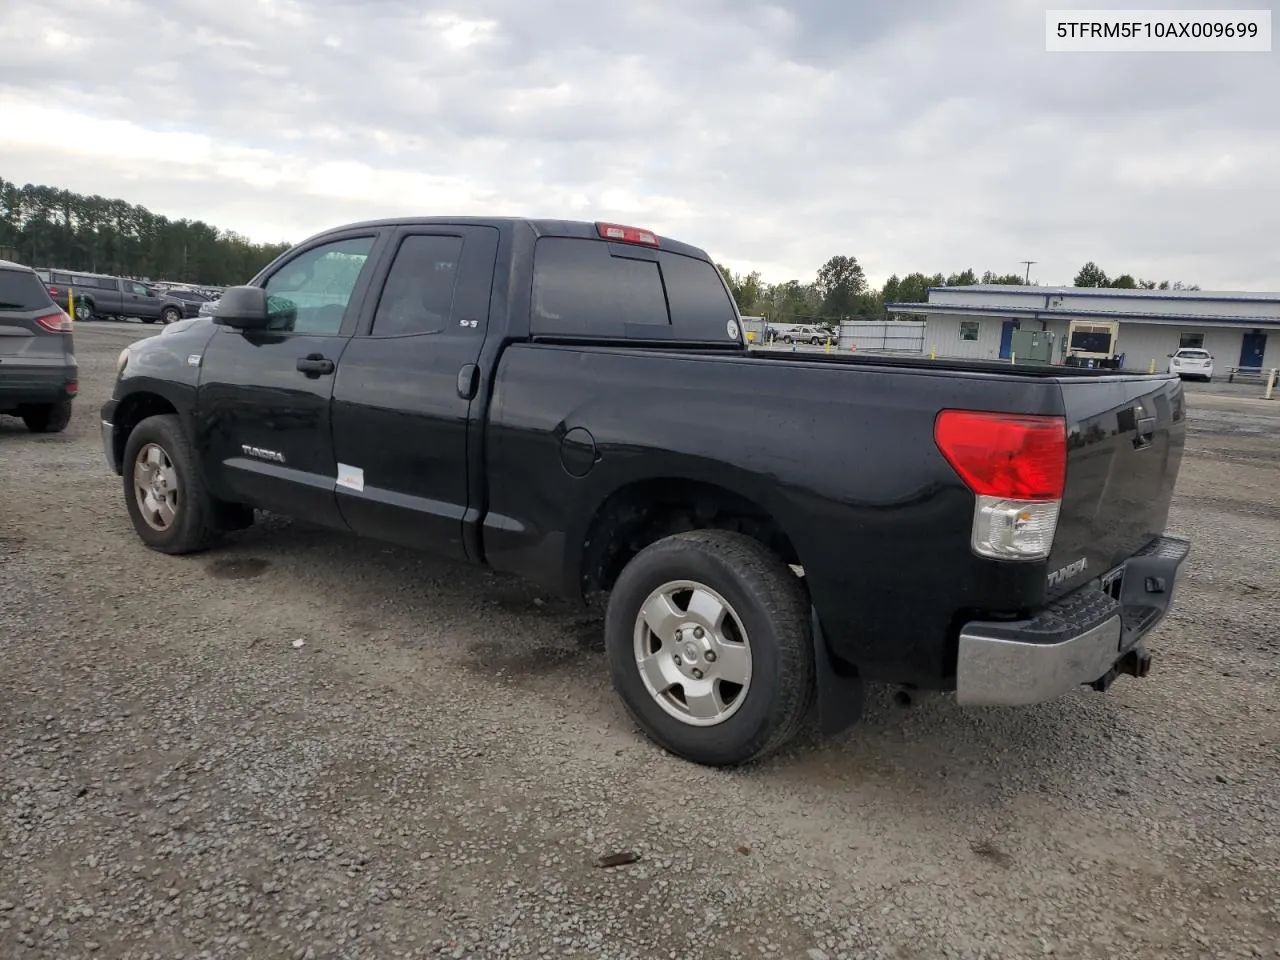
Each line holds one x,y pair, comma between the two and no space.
1069,571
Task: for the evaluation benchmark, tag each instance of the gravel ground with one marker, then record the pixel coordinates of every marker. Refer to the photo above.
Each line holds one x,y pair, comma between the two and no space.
309,746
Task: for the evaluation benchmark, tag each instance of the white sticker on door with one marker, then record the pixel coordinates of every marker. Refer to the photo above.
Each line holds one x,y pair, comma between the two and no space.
350,477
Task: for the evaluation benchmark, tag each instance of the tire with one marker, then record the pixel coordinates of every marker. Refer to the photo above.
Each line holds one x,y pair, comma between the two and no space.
84,310
47,417
193,523
148,319
170,315
786,339
763,598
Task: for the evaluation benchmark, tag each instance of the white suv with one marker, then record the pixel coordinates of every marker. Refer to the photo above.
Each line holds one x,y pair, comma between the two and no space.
1192,362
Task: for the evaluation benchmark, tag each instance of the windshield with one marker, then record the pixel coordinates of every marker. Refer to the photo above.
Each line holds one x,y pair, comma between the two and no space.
1090,341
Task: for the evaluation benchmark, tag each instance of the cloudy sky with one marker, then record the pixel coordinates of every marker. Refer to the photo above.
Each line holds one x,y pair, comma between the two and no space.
915,135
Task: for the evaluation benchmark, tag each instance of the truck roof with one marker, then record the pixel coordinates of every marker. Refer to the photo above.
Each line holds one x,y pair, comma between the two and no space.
541,227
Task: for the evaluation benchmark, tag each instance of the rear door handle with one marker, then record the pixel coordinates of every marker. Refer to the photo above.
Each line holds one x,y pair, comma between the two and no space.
315,364
1146,432
468,380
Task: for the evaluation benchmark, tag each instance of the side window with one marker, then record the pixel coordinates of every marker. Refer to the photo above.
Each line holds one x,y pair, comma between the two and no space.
310,293
138,289
418,295
579,289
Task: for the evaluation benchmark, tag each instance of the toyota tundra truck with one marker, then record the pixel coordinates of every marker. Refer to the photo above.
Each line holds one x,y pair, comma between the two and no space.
574,402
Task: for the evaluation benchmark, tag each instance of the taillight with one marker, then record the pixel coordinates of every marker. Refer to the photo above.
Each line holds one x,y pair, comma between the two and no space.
624,234
53,291
1016,465
56,321
73,387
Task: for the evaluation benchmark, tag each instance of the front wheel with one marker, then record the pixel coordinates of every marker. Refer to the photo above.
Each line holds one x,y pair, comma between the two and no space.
171,510
708,640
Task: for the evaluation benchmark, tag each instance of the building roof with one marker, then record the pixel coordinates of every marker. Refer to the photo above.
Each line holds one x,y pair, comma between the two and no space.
1192,295
1035,313
1219,308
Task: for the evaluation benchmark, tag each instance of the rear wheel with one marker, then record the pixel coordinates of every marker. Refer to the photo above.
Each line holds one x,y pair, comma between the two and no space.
84,310
47,417
709,648
165,495
170,315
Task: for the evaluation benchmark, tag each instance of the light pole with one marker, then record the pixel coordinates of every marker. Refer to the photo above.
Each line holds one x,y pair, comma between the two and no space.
1027,279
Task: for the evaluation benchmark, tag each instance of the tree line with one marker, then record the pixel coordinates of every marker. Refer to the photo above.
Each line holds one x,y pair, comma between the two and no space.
840,291
1092,275
45,226
51,227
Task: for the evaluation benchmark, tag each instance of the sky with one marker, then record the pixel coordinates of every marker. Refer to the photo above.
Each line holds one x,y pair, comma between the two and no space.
929,135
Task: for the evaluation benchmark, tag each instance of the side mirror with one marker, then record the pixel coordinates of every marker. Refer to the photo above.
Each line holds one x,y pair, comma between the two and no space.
1168,354
242,308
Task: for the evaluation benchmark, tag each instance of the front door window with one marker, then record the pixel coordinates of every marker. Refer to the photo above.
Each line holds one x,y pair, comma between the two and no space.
310,293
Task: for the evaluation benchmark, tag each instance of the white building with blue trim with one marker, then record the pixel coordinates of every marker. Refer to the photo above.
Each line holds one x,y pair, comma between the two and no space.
1239,329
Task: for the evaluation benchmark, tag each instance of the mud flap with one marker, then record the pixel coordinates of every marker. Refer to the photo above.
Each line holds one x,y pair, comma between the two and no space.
840,694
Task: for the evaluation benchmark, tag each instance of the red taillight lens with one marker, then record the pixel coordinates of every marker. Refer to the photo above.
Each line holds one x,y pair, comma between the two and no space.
53,291
56,321
1010,456
623,234
73,387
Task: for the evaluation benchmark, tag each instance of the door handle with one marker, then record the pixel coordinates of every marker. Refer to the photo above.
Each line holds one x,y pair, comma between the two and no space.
1146,432
315,364
468,380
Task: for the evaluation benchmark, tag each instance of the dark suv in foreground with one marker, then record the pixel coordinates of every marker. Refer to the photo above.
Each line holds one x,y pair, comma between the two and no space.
38,376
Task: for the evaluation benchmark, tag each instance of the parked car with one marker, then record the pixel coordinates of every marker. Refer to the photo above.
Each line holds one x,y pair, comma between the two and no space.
805,334
97,295
38,372
563,401
1192,362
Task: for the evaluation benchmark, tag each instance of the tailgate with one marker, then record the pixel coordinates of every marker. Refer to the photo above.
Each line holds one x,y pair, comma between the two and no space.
1124,449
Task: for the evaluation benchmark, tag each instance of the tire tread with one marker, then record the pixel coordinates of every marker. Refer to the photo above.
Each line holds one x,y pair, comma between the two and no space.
197,527
785,602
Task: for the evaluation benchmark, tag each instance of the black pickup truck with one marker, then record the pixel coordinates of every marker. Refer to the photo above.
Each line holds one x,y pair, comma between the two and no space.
575,403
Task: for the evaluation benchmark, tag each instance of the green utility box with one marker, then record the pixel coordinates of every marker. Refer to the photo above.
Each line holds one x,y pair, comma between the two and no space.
1032,346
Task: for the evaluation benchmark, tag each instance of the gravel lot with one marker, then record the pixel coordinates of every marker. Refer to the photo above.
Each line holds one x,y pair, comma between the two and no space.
436,769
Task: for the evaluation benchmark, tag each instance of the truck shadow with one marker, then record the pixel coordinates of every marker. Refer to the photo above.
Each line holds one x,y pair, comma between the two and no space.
494,626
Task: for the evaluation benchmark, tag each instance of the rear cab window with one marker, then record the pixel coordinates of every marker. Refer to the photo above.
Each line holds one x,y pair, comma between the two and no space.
595,289
22,291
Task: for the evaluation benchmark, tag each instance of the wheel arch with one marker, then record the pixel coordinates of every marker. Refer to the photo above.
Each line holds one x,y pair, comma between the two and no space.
633,514
145,401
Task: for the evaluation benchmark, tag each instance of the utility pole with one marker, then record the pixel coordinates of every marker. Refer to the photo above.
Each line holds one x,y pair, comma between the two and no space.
1027,280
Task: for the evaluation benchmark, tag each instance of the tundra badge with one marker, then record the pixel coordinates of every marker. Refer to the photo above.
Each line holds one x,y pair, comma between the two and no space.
1070,570
259,453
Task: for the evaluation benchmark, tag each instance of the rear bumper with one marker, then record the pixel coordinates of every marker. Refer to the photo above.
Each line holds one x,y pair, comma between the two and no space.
1087,637
19,387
